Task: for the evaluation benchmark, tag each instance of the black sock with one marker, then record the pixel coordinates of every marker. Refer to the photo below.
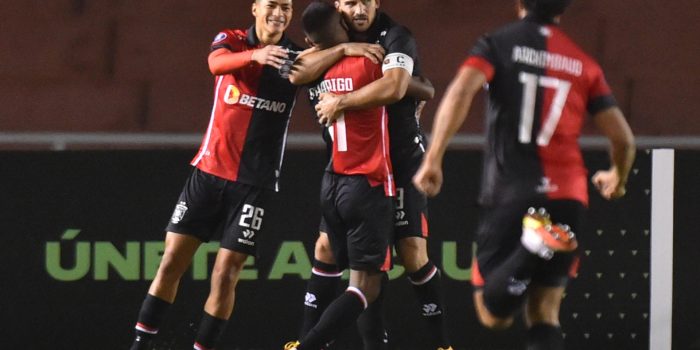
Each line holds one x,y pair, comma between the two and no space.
370,324
321,289
151,315
340,314
210,330
544,337
505,288
426,283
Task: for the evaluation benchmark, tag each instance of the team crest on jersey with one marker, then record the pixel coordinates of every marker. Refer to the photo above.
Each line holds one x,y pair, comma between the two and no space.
220,37
179,212
232,95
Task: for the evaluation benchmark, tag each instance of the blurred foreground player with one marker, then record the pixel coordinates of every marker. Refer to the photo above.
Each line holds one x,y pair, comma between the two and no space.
534,183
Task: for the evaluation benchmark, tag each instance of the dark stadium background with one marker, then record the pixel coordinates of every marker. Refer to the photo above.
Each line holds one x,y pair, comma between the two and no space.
123,86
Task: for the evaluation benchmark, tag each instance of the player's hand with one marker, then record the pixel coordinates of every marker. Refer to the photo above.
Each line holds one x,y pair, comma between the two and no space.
374,52
328,109
271,55
428,178
608,184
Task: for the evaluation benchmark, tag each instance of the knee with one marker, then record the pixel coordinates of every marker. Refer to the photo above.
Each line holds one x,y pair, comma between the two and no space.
226,275
413,254
323,251
494,323
486,318
171,267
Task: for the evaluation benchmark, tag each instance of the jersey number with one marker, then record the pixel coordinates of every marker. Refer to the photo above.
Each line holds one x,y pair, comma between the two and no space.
342,137
251,217
527,112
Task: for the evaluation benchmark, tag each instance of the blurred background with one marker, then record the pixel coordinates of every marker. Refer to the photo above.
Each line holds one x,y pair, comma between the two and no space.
106,67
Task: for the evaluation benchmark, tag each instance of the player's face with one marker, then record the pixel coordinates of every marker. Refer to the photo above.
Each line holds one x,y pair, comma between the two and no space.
272,16
359,14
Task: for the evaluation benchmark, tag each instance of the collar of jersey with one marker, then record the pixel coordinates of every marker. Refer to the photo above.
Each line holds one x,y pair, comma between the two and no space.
539,20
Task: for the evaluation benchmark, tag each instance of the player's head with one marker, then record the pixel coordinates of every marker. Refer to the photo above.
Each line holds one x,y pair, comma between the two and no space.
358,14
546,9
272,16
323,25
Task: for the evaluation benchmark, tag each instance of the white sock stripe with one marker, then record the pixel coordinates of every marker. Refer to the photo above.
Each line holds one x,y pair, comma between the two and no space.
426,279
142,328
359,294
318,272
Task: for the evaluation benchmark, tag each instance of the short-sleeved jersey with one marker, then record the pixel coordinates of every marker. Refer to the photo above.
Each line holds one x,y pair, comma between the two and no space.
407,141
540,85
360,138
247,130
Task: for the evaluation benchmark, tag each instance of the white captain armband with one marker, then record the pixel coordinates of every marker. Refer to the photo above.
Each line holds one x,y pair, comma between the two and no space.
398,60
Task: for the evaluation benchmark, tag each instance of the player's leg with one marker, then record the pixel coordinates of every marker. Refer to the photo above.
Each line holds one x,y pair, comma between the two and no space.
542,318
177,257
197,211
364,288
219,304
370,324
246,212
411,233
322,286
360,219
549,282
512,263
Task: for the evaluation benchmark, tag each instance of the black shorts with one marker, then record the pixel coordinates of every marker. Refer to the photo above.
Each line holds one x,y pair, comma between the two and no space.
411,216
359,221
210,206
499,231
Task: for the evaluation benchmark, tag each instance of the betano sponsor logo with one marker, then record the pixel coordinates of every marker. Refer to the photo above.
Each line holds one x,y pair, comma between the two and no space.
234,96
71,260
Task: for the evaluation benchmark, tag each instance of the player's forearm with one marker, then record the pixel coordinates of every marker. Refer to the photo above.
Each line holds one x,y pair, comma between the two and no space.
225,62
622,153
420,88
310,67
387,90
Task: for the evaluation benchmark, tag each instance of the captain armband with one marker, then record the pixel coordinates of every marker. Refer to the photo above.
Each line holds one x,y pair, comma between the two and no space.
398,60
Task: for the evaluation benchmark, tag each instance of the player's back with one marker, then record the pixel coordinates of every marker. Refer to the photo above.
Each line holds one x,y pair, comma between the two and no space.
541,85
360,137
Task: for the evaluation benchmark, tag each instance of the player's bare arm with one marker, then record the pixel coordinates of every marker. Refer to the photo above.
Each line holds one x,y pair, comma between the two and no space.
450,116
420,88
223,61
312,65
389,89
611,183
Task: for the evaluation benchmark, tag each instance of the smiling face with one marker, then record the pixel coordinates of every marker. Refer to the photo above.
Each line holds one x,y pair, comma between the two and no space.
272,17
359,14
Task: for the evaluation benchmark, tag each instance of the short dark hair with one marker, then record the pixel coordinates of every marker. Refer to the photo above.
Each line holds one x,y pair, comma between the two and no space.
546,9
316,18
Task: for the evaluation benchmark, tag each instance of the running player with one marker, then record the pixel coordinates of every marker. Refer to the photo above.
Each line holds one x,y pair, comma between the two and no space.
540,85
357,186
368,25
236,170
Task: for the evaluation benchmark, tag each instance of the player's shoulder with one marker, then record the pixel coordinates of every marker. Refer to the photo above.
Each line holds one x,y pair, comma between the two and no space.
391,28
230,35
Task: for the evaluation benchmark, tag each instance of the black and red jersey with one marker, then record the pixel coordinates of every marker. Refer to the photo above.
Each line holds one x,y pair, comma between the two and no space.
540,85
360,138
407,141
247,130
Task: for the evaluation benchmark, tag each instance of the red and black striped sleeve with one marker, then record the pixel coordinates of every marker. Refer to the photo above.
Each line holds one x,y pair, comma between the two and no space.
481,58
